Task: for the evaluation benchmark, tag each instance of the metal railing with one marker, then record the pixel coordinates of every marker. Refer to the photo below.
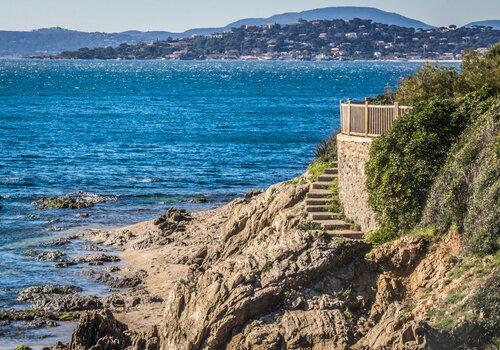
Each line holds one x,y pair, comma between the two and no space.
364,119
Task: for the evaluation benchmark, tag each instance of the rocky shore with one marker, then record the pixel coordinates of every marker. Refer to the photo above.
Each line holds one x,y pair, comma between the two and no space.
251,275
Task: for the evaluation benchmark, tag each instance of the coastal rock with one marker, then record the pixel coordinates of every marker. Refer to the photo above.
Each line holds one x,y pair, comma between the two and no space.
252,193
75,200
401,255
58,298
46,255
268,279
173,220
198,200
59,242
393,331
95,259
117,281
99,330
148,340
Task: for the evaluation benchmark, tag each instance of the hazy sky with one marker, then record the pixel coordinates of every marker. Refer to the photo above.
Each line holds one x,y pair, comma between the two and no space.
179,15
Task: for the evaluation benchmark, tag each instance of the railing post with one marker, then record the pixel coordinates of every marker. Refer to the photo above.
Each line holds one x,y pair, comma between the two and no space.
366,117
396,110
342,126
349,117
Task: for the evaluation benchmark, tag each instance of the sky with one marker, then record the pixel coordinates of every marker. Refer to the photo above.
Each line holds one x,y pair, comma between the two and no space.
179,15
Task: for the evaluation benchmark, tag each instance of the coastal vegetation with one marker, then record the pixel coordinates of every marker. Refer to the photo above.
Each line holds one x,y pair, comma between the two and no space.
307,40
439,165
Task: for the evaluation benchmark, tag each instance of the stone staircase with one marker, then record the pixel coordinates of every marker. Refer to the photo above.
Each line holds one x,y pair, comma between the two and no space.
317,207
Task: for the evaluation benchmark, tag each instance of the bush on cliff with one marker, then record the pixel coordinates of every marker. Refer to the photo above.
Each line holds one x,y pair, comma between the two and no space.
429,82
325,155
407,161
326,151
435,81
466,192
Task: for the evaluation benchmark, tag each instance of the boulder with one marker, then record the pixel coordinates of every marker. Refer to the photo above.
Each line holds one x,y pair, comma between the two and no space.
99,330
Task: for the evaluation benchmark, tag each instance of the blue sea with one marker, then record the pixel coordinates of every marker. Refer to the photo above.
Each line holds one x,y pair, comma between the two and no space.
155,134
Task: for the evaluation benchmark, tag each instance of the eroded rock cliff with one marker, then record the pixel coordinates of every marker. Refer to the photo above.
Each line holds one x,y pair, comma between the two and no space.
252,275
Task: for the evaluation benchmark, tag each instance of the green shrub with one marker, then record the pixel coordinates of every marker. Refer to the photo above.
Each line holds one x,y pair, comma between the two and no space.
381,236
480,71
388,97
434,81
466,192
309,226
429,82
333,202
428,232
487,301
23,347
67,316
317,168
326,151
405,160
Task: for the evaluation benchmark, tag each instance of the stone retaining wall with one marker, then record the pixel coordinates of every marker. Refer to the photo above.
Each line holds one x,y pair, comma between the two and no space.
353,154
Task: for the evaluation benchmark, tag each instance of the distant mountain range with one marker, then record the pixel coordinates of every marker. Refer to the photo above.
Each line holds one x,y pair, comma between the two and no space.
495,24
50,41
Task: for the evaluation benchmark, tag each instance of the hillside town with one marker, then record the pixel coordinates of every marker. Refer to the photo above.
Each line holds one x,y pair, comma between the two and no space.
309,40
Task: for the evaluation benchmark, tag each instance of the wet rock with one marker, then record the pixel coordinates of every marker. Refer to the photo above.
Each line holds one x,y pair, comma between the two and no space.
23,315
95,259
58,298
46,255
93,247
59,242
55,228
75,200
63,264
99,330
117,281
83,215
58,346
198,200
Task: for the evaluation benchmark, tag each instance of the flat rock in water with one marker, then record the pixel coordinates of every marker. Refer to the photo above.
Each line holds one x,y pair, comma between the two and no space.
95,259
76,200
58,298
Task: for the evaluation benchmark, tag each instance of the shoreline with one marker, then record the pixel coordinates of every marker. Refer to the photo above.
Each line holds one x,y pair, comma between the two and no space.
132,263
423,60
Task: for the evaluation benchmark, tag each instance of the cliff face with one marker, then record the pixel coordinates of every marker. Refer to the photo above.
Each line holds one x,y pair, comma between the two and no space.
255,275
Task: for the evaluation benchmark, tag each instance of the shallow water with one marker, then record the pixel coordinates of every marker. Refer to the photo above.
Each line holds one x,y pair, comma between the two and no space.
155,134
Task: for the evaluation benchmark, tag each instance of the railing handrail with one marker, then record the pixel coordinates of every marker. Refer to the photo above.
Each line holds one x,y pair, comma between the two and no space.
368,120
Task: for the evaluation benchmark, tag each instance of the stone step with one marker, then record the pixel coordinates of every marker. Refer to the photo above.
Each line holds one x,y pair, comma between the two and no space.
321,185
313,208
331,171
318,194
316,202
334,224
346,234
327,177
324,215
